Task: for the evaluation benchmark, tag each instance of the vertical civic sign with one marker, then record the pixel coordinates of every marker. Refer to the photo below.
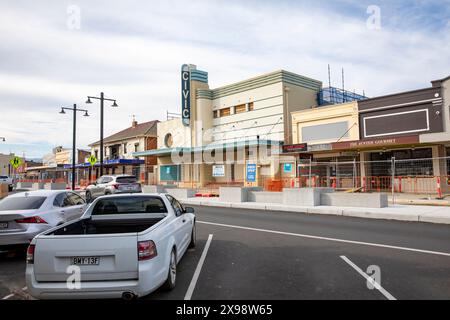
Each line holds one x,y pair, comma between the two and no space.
185,95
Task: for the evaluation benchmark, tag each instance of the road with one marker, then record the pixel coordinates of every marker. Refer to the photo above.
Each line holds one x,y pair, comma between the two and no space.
278,255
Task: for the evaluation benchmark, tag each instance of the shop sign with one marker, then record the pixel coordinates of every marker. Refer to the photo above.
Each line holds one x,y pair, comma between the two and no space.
185,95
218,170
251,172
375,142
299,147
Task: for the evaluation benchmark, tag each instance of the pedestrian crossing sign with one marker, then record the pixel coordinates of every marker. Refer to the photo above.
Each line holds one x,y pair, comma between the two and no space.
92,160
16,162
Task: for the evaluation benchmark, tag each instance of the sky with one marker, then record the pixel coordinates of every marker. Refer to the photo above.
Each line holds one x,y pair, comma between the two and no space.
55,53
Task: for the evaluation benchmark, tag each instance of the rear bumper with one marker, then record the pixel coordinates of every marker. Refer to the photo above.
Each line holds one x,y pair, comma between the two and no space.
24,237
148,282
115,191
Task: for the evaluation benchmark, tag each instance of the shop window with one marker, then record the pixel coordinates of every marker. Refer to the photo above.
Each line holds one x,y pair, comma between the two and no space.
225,112
216,113
240,108
250,106
136,147
125,148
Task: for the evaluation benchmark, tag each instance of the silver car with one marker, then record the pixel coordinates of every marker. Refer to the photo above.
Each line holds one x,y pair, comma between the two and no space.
112,185
24,215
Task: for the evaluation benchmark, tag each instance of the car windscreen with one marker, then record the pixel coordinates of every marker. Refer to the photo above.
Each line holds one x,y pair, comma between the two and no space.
129,205
126,179
21,203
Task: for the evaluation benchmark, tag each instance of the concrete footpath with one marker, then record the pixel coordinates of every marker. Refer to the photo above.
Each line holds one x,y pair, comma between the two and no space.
432,214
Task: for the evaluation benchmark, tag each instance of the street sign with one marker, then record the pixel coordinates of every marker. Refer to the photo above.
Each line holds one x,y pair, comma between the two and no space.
251,172
299,147
16,162
92,160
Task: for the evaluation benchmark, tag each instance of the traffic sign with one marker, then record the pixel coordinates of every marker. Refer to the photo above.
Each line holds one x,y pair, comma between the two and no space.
92,160
16,162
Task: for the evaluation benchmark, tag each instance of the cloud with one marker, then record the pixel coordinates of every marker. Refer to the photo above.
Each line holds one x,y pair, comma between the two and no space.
133,52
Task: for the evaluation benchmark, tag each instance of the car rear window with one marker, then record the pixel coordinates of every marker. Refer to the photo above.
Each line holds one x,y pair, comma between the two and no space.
126,179
21,203
129,205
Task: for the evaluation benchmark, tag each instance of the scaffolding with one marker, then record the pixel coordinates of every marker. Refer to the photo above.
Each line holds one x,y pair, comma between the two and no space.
332,95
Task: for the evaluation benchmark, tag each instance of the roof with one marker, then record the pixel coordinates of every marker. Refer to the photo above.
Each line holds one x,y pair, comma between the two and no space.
438,81
260,81
141,130
38,193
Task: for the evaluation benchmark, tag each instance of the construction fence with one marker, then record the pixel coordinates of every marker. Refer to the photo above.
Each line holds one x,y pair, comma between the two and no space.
428,177
414,176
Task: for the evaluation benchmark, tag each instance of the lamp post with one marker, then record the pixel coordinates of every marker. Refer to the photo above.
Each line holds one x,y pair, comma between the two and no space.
75,110
102,100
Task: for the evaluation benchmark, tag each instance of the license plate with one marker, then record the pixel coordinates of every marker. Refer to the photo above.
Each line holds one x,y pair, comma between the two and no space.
85,261
3,225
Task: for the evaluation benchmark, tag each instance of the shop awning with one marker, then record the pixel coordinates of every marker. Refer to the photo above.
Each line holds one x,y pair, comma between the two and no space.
210,147
123,162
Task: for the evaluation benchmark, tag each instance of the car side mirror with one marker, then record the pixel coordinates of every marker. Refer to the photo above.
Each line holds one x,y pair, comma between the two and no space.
189,210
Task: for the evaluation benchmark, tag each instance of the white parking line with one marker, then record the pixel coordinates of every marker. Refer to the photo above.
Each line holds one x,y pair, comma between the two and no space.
8,296
198,269
328,239
375,284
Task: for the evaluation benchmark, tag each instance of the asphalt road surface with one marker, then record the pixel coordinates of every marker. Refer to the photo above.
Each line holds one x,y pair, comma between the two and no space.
250,254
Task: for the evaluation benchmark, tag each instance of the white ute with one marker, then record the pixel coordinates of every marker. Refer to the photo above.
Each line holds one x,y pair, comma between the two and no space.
124,246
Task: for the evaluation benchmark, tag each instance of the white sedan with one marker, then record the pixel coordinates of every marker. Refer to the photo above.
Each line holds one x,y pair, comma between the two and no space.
123,246
24,215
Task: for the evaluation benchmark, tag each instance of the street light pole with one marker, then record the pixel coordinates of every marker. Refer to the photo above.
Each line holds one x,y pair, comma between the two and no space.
102,100
74,137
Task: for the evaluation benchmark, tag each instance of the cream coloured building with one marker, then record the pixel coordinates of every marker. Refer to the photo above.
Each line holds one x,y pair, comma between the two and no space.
228,135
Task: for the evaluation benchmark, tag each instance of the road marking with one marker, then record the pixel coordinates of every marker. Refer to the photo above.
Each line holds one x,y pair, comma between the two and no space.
329,239
375,284
8,296
198,269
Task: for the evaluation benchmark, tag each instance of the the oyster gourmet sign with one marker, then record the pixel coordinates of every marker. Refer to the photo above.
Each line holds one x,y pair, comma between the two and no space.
185,94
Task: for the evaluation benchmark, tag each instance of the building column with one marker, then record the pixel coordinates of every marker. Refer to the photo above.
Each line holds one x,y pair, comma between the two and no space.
364,169
439,166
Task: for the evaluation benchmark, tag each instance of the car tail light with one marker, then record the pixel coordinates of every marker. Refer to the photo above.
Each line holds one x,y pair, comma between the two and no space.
146,250
30,253
116,186
35,219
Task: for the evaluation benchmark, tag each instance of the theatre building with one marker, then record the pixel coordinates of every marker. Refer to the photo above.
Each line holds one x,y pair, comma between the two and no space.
229,135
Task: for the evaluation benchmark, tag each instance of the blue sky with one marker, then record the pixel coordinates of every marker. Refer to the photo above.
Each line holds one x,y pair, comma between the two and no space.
133,51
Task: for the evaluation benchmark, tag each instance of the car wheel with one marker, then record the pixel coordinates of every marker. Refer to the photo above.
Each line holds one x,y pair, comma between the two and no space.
172,274
193,242
107,193
88,197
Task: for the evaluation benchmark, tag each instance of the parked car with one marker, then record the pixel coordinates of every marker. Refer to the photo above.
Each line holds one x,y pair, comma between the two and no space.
125,246
24,215
9,181
112,185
